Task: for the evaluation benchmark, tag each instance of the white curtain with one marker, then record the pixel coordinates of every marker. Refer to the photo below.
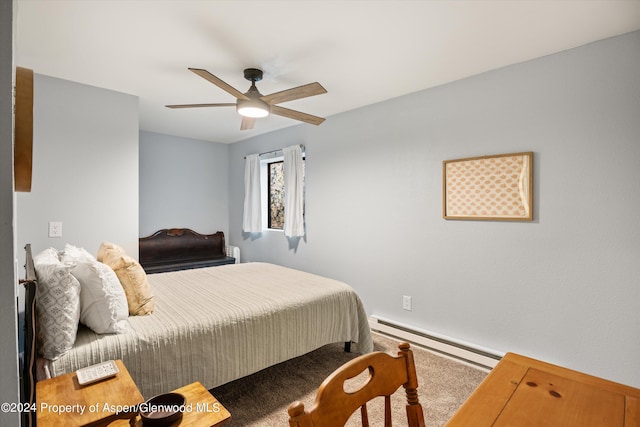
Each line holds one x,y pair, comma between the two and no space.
293,192
252,214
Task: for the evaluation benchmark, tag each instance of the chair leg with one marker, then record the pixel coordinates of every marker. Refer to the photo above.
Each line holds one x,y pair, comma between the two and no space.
347,346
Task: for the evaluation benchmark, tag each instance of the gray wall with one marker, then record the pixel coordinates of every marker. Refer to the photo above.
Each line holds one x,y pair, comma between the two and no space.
563,288
183,183
9,387
85,168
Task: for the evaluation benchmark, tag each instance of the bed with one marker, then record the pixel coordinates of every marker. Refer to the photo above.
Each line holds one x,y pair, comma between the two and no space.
217,324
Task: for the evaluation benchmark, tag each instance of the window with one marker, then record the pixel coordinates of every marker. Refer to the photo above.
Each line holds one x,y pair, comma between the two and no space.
275,193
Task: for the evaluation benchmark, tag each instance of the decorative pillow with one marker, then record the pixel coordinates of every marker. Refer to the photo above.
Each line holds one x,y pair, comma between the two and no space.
57,304
132,278
103,304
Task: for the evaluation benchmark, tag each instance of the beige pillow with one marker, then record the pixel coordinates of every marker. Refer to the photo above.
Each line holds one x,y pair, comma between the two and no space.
132,277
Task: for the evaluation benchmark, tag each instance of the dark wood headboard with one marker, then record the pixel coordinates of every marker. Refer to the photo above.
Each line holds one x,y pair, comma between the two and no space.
173,249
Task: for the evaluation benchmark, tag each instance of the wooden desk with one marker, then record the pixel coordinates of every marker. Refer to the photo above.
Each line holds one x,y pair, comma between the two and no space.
524,392
61,401
203,410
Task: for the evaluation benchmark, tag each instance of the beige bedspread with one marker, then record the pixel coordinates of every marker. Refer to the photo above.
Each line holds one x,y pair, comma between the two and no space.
218,324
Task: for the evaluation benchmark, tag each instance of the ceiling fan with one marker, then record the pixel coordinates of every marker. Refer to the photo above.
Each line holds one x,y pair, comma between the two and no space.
252,104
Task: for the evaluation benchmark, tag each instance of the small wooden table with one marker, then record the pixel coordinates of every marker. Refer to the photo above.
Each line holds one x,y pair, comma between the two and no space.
61,401
203,410
525,392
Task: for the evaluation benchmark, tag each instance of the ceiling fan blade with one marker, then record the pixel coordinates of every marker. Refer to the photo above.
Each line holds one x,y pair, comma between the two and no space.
310,89
201,105
296,115
216,81
247,123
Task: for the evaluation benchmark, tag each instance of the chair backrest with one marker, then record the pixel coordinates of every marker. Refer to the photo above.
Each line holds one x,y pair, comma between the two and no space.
334,405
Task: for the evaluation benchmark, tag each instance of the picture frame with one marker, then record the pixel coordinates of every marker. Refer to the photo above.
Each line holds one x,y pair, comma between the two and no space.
493,187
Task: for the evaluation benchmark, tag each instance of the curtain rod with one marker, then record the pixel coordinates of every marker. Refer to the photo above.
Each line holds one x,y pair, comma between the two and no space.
275,151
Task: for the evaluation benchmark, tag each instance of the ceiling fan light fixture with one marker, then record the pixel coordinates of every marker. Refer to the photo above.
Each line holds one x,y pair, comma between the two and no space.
252,104
252,108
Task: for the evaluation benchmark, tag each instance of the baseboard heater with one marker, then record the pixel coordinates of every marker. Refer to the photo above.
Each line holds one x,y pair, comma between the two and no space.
464,352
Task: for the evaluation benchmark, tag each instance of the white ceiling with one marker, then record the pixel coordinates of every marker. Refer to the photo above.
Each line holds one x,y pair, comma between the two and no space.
362,52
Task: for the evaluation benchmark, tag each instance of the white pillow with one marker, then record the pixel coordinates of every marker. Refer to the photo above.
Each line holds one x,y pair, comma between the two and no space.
103,303
57,305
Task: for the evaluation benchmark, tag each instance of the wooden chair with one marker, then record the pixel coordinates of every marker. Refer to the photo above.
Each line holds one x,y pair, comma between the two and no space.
334,406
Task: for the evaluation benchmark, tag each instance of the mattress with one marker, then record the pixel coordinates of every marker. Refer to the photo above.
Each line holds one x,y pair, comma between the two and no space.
218,324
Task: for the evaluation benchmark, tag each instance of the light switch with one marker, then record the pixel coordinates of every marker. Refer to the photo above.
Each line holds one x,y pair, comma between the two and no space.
406,302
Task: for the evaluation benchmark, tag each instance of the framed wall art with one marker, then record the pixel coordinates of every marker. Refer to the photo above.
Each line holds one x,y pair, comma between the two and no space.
497,187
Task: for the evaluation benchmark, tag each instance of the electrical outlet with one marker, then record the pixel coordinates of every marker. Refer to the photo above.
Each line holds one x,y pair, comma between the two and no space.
406,302
55,229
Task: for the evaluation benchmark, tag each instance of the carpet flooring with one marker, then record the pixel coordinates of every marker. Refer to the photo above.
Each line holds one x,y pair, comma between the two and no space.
262,399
